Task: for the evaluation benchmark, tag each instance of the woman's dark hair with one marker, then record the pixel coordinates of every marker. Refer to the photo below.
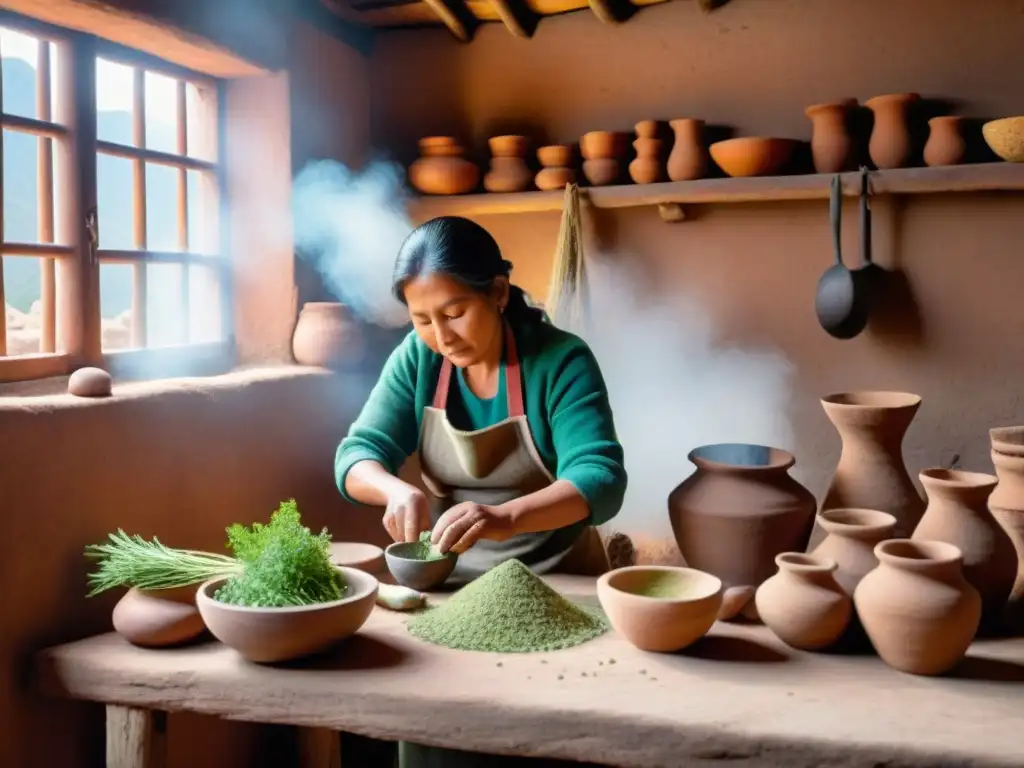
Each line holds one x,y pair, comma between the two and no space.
462,249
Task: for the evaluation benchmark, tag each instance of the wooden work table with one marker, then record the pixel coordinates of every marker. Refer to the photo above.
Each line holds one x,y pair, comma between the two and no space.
739,697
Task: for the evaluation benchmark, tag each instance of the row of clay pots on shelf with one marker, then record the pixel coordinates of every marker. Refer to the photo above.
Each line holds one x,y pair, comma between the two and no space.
920,578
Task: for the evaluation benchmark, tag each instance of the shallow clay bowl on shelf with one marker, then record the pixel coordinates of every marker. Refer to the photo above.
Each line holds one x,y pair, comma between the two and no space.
752,155
421,575
355,554
267,635
686,604
1005,137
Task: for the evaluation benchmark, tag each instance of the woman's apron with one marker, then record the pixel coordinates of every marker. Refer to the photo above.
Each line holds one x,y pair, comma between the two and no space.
492,466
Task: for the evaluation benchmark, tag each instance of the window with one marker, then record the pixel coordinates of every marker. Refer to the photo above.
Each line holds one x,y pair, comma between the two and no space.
111,244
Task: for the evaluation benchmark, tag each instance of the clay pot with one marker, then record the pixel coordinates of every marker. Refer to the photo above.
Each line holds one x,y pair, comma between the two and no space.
958,514
803,604
354,554
557,171
850,541
688,159
890,144
1007,500
158,618
918,610
267,635
683,611
327,336
602,156
736,512
753,155
871,473
441,169
945,145
831,143
647,168
509,172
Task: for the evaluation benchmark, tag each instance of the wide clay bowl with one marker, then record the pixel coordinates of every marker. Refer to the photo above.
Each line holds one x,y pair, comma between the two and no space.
421,575
659,607
355,554
1005,137
267,635
752,155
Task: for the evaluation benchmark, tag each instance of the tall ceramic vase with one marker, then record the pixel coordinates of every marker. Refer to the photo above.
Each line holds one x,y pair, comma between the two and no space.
891,144
831,143
738,510
871,473
688,159
958,514
1007,502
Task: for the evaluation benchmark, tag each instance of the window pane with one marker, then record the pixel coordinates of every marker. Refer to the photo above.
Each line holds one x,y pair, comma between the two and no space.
20,57
161,208
115,99
114,202
201,121
203,214
204,305
161,113
116,305
23,296
165,320
21,208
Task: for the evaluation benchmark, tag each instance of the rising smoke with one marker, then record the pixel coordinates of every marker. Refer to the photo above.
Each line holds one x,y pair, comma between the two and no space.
672,384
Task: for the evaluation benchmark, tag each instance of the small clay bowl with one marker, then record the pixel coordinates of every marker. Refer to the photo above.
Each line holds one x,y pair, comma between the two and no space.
421,575
1007,440
752,155
354,554
1005,137
555,156
660,608
268,635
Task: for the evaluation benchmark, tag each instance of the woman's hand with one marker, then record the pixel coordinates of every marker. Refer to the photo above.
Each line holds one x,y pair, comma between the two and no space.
407,514
461,526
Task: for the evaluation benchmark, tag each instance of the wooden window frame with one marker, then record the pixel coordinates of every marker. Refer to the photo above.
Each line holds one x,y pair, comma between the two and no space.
69,252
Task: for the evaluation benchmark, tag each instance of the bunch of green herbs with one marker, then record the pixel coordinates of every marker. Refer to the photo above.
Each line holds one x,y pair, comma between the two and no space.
278,564
423,549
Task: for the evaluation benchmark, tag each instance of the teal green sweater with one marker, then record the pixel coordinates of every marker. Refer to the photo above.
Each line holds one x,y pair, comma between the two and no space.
566,406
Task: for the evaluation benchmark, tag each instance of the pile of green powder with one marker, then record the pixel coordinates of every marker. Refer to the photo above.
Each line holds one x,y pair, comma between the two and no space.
508,610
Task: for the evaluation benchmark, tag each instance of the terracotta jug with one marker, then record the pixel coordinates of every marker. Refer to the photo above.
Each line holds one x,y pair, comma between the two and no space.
871,473
557,168
736,512
890,144
958,514
327,336
509,172
158,617
850,541
803,604
1007,500
647,168
831,144
441,168
688,159
917,608
945,145
603,152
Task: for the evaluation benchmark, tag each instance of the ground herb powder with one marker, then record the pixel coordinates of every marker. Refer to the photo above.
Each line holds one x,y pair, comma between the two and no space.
508,610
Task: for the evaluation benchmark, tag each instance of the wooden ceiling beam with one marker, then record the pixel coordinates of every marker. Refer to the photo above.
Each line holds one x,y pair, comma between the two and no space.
612,11
519,18
456,16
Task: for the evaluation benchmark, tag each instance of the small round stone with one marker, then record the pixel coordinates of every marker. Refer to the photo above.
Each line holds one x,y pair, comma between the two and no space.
90,382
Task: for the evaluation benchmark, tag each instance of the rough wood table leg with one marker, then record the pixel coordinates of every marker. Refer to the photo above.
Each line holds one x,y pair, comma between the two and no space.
136,738
319,748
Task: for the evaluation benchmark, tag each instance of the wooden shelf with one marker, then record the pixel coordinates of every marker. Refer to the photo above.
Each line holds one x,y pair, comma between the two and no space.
984,177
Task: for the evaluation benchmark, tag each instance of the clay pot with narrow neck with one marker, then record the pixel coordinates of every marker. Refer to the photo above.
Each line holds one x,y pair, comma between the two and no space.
327,336
891,145
736,512
442,169
603,153
803,604
958,514
831,143
688,159
1007,500
557,167
852,535
945,145
509,172
871,473
918,610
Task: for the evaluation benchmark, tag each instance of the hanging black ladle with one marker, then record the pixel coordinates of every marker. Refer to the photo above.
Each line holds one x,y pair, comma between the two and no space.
841,302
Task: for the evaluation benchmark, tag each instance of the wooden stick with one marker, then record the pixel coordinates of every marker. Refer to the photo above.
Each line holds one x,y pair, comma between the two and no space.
136,738
319,748
518,17
456,16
